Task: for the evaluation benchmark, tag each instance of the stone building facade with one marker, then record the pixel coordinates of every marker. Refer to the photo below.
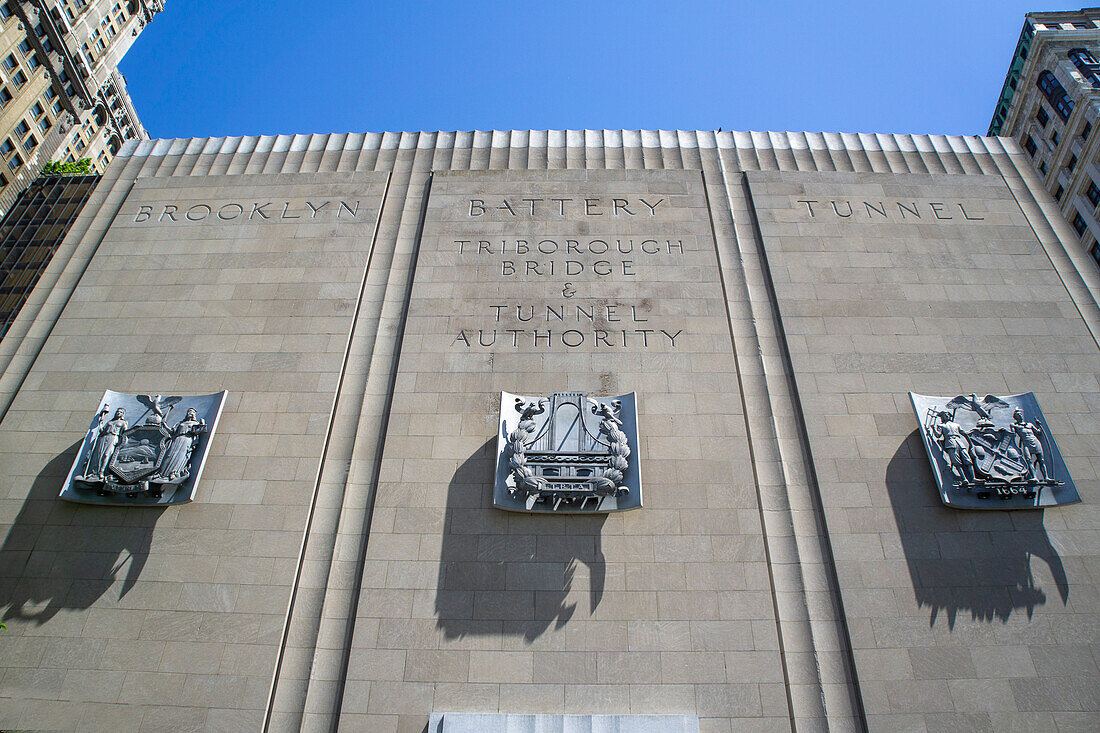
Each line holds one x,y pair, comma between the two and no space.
771,299
1049,104
62,97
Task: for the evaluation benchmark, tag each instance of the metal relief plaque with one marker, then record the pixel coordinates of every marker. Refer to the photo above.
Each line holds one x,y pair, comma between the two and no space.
144,449
568,452
993,453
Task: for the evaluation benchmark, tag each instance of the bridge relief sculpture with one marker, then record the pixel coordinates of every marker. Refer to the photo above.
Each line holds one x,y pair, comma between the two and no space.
993,453
568,452
151,460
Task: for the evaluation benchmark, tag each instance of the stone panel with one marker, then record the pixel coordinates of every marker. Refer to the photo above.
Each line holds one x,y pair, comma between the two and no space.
184,606
937,284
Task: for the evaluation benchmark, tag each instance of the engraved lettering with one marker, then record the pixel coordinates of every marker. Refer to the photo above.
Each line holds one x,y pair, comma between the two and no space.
579,338
561,205
461,337
240,210
881,208
652,207
838,210
286,207
903,208
590,207
344,207
143,214
672,336
197,218
508,207
507,268
170,212
477,207
620,204
809,206
532,202
259,209
317,208
968,217
936,209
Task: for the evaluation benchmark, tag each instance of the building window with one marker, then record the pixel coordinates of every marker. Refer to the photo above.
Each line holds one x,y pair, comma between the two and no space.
9,63
44,124
1055,93
25,48
58,108
1079,224
1071,163
19,79
1043,167
40,31
33,62
5,96
1029,146
6,147
1042,117
5,11
15,163
47,46
36,110
22,128
1058,193
1055,138
1095,252
30,143
1093,194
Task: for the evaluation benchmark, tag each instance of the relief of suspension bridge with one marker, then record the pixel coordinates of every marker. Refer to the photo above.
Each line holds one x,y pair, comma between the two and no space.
993,453
568,452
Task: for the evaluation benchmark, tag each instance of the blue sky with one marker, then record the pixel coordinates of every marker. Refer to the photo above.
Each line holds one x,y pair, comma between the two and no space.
204,67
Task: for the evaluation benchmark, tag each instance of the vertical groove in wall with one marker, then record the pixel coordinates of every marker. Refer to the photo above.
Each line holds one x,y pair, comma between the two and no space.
394,367
318,539
841,696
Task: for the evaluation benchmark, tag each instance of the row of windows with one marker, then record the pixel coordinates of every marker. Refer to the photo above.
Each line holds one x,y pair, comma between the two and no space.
107,30
1055,93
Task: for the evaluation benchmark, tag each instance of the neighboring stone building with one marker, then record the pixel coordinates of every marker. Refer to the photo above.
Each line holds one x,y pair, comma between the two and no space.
1050,104
61,95
770,298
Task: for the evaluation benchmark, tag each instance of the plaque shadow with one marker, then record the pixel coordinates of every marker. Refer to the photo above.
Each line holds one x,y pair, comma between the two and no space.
510,572
977,562
59,555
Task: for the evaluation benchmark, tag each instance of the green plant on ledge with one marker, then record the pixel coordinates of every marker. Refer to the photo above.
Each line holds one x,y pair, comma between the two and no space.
81,167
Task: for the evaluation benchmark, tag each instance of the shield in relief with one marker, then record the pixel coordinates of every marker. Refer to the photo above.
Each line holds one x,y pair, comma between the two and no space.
993,452
144,449
568,452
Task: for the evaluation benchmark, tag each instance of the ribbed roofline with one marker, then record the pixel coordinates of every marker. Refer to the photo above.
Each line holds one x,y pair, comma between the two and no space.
671,139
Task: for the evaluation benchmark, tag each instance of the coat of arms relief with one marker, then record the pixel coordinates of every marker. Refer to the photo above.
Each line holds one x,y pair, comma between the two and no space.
993,452
144,449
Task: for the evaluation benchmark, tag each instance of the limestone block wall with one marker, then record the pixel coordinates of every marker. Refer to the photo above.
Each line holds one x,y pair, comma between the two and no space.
771,297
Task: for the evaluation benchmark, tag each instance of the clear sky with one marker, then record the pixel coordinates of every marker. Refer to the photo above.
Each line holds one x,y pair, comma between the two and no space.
212,67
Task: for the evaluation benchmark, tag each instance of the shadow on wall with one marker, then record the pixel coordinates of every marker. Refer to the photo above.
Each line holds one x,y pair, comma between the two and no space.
62,555
508,572
977,562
